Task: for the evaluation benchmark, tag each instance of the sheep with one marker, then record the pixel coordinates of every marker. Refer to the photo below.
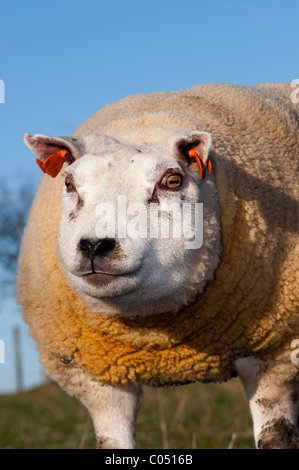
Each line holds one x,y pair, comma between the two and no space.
113,308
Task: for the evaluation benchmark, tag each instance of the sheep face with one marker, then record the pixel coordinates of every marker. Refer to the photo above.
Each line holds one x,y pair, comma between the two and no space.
139,231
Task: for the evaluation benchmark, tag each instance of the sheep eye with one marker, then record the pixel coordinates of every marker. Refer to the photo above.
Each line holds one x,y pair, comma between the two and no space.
172,181
69,184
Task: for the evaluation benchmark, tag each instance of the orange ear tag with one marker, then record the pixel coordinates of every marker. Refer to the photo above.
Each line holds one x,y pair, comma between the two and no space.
40,164
53,164
193,154
200,164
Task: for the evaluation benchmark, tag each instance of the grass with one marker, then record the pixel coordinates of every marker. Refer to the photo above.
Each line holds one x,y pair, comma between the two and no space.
213,416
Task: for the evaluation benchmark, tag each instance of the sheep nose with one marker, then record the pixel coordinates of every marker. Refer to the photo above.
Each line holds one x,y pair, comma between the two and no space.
98,247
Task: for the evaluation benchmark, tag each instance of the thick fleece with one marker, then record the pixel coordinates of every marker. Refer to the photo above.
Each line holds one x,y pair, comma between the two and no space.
251,307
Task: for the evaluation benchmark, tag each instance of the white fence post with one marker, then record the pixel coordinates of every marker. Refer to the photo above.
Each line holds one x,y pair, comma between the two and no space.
18,361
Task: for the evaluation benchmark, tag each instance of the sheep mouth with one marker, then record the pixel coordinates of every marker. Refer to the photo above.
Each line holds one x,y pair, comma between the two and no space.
98,278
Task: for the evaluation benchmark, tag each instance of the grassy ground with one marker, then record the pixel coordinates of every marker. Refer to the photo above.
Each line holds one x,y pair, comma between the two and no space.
213,416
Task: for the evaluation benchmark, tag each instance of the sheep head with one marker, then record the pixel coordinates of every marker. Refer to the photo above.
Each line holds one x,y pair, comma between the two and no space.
139,230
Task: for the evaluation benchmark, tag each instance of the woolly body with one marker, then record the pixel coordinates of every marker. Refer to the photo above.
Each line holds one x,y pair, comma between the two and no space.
249,308
254,298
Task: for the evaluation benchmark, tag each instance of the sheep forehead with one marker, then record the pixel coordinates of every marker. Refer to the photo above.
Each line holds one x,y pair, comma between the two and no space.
123,169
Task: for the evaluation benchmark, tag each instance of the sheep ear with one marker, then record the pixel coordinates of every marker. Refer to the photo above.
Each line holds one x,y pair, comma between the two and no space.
200,142
52,152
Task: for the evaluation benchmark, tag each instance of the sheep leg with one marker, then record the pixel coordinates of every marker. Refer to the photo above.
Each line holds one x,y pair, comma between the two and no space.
113,409
273,392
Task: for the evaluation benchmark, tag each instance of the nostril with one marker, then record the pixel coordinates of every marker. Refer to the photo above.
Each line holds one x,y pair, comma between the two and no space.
107,244
96,248
85,245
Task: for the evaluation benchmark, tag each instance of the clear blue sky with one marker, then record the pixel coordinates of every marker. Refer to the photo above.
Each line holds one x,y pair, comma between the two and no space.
62,60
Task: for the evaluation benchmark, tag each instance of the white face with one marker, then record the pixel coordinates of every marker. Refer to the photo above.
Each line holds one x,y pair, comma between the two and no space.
120,206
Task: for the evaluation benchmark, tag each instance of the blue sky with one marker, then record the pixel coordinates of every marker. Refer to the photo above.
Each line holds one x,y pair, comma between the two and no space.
62,60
